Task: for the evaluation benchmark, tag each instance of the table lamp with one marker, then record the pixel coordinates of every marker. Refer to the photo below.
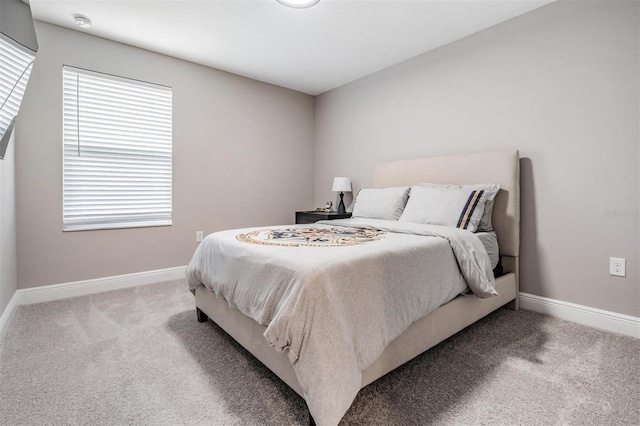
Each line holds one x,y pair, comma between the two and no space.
342,184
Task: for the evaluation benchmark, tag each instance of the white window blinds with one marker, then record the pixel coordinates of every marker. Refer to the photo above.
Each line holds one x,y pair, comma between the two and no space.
16,62
117,152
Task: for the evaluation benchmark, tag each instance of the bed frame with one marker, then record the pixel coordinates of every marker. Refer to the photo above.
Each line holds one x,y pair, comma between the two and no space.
489,167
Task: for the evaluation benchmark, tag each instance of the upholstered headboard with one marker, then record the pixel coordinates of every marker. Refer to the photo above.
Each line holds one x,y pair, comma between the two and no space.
485,167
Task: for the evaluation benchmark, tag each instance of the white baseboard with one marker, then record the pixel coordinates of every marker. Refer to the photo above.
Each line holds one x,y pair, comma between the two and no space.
610,321
48,293
8,313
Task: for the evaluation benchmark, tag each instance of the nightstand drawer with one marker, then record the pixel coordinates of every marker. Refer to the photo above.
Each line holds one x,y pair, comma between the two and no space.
312,217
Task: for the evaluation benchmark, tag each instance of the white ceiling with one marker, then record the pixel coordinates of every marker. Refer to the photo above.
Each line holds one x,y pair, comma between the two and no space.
310,50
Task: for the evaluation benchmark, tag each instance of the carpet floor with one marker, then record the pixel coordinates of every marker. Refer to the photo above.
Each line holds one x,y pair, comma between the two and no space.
138,356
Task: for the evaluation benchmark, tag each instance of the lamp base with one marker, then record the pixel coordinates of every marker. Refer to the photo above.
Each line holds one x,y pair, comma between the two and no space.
341,208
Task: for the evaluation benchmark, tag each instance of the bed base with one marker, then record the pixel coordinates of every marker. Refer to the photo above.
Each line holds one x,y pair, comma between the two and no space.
425,333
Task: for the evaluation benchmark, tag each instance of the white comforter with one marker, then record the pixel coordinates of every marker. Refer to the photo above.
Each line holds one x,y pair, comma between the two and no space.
335,309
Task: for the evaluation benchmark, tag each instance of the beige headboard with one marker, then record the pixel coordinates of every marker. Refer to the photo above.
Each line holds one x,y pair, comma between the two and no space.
501,167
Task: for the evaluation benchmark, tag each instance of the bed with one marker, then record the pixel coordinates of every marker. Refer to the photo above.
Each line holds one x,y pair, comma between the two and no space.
414,336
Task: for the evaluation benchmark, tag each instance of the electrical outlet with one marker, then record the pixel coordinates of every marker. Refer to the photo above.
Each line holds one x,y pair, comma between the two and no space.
617,267
199,236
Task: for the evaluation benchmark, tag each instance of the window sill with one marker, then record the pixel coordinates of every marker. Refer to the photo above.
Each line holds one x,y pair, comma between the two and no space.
104,226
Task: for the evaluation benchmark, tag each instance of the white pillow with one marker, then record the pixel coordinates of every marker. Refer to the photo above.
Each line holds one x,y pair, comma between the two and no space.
436,205
381,203
489,195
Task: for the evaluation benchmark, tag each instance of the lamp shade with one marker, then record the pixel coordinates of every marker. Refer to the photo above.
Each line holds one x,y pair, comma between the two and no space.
341,184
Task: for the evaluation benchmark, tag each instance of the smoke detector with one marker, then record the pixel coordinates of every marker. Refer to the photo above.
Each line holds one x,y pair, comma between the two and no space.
82,21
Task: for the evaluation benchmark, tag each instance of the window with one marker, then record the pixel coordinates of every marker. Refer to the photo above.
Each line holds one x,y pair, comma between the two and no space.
16,62
117,152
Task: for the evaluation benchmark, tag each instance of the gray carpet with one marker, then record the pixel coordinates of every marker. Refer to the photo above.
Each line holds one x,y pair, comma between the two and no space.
138,356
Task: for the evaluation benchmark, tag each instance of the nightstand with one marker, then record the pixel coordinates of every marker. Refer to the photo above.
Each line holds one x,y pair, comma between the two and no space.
313,217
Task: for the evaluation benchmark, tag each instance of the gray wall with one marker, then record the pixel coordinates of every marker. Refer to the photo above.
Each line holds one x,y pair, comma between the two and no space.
8,279
561,85
242,156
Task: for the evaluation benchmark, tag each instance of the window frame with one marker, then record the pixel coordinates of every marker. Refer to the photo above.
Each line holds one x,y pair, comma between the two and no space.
123,158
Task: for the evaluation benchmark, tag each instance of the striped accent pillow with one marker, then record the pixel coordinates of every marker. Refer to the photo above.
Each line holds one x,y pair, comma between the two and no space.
457,207
490,192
